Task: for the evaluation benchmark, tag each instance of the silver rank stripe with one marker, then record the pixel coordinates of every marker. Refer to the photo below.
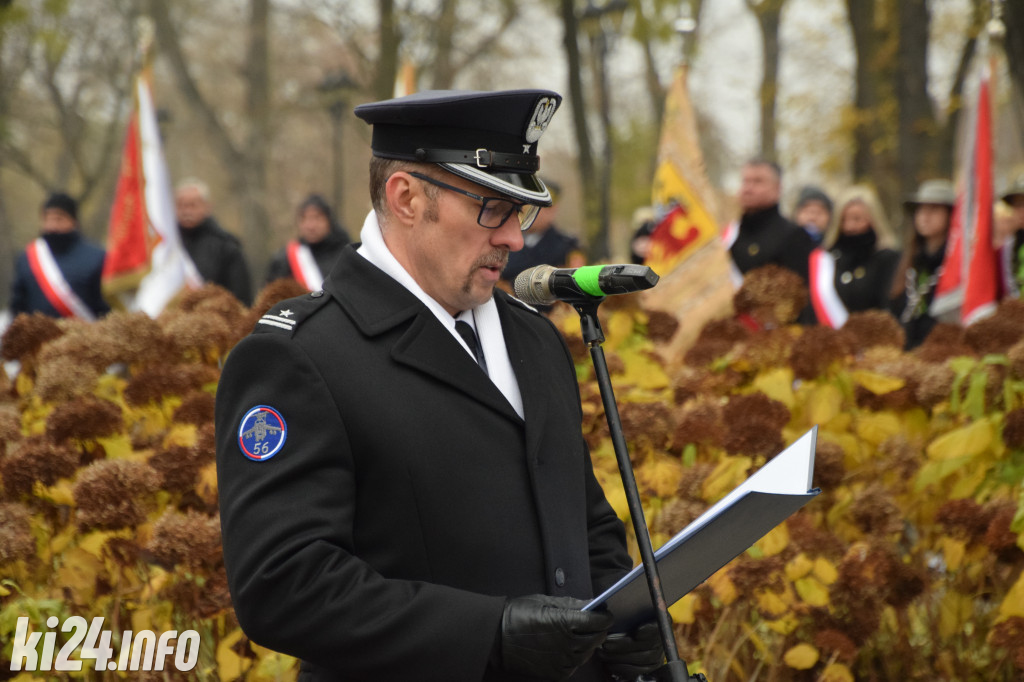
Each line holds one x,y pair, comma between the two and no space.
280,322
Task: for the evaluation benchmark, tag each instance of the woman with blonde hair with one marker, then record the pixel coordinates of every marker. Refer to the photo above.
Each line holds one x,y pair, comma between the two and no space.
863,260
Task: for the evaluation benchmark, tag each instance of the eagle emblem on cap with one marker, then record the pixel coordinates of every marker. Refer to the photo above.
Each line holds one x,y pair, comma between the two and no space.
540,119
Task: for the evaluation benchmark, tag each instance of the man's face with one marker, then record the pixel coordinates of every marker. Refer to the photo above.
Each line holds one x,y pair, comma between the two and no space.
57,221
313,225
191,208
759,188
813,214
455,260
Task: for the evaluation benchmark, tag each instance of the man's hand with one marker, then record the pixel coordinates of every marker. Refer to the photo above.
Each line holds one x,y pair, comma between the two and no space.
549,637
630,655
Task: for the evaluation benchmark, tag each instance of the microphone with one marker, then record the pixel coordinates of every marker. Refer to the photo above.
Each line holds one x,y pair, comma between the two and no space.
544,284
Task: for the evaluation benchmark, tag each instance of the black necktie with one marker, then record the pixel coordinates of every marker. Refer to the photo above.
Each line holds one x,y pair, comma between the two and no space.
469,336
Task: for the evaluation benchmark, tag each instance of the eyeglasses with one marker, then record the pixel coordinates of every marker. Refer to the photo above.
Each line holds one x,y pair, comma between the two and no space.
494,211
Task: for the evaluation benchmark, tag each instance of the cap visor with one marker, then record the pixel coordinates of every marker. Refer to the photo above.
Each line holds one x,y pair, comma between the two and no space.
522,186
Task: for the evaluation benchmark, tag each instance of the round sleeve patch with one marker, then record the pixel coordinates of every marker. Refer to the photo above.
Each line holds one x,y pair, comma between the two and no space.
262,433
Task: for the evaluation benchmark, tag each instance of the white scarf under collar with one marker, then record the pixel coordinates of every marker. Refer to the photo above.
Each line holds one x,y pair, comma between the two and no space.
485,317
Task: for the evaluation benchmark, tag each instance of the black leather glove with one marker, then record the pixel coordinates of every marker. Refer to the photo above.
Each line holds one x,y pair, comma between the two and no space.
630,655
549,637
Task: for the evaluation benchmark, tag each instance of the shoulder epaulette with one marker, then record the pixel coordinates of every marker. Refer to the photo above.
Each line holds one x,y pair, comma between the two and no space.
285,316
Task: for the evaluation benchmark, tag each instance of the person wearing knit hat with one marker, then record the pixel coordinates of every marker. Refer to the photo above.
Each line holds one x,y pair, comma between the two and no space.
813,212
405,492
59,274
320,240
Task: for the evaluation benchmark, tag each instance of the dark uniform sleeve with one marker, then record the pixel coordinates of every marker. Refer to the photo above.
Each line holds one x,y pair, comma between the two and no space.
296,581
19,287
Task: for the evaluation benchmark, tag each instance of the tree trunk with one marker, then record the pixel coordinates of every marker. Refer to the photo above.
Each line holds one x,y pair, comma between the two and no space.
387,63
444,30
768,14
1013,18
585,153
916,127
257,222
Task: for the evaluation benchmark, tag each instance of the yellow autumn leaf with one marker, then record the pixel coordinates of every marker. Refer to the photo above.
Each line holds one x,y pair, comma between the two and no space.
967,441
825,571
934,472
836,672
230,665
730,471
775,541
877,427
94,542
78,572
660,475
798,567
955,610
273,667
1013,602
966,485
109,387
785,625
618,328
801,657
683,612
824,403
183,435
811,591
723,587
879,384
777,384
771,604
59,493
118,446
641,371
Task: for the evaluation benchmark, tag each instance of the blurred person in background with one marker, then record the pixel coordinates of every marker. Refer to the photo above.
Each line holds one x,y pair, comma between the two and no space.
59,273
861,242
1011,252
813,212
643,223
544,243
216,252
763,235
311,256
917,274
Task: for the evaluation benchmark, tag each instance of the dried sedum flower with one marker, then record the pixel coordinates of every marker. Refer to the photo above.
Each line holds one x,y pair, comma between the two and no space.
875,512
153,384
661,326
872,328
700,422
944,342
197,336
715,340
113,493
964,517
197,408
754,425
10,427
816,349
829,469
27,334
652,420
1009,635
89,417
1013,428
772,295
16,540
835,642
1016,356
36,460
64,378
177,467
191,539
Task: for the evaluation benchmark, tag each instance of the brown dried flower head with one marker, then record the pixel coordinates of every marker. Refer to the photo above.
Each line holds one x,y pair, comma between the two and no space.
36,459
136,338
650,420
1013,428
678,514
177,467
10,427
191,539
964,518
114,493
89,417
829,467
835,642
945,341
715,340
153,384
197,408
815,351
772,295
661,326
997,333
16,540
1009,635
1016,357
871,328
934,383
27,334
875,512
64,378
700,422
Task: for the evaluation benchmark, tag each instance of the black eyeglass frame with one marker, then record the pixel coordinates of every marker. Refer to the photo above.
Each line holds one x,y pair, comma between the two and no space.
524,222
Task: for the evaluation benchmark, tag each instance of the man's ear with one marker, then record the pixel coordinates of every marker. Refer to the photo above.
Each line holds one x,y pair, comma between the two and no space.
400,193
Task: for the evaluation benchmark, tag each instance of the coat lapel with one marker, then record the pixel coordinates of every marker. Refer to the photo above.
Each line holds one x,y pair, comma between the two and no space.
377,304
524,350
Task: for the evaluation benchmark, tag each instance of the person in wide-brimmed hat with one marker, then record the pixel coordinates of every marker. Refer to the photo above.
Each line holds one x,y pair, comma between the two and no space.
917,275
1011,252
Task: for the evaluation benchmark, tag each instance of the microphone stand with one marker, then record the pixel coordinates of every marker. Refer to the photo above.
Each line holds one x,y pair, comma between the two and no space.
675,669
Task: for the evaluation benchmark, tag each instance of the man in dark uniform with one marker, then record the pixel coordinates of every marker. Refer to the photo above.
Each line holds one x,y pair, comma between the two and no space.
764,236
405,493
216,252
59,274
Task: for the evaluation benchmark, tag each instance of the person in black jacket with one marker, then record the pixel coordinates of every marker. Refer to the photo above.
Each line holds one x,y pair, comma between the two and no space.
321,240
764,236
545,244
216,252
917,275
60,273
861,242
404,488
1011,251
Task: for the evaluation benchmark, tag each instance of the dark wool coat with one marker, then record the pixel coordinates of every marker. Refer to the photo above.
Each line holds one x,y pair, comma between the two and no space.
766,237
325,253
409,499
218,257
863,273
81,263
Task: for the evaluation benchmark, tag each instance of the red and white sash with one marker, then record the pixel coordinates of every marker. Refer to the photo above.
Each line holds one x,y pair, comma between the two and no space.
303,265
729,235
827,305
51,280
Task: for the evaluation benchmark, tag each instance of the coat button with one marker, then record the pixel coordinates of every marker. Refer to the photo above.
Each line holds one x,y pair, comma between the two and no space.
560,577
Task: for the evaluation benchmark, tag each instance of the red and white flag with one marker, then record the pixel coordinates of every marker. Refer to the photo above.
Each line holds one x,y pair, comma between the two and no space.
970,273
146,265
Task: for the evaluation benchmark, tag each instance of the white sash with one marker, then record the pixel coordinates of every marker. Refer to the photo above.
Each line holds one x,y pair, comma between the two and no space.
51,280
729,235
827,305
303,265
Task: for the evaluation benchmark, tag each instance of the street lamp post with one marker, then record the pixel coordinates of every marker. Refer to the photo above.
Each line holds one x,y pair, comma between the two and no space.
336,88
601,24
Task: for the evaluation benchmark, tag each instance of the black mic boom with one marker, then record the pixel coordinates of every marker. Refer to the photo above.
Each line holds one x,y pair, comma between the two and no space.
544,284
